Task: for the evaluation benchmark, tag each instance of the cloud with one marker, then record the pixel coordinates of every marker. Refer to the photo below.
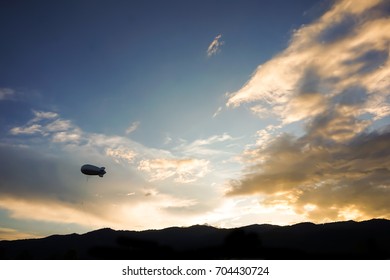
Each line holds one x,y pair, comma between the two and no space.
182,170
59,125
318,68
34,127
130,212
41,115
31,129
189,161
50,211
41,174
121,153
6,93
204,147
167,139
46,187
184,167
306,171
49,126
17,95
67,136
219,110
13,234
332,81
133,127
215,46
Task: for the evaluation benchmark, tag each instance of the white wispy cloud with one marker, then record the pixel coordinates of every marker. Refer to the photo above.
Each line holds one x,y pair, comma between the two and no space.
59,125
210,146
133,127
41,115
50,126
31,129
215,46
219,110
211,140
182,170
69,136
33,126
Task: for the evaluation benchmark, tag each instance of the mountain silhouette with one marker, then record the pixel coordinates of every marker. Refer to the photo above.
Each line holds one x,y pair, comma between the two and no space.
338,240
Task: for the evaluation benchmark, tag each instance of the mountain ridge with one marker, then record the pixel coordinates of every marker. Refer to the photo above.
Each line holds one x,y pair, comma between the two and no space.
336,240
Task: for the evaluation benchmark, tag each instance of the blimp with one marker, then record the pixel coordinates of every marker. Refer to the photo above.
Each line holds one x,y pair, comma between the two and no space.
89,169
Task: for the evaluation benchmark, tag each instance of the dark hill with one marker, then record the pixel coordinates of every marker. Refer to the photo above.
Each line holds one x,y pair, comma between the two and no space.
339,240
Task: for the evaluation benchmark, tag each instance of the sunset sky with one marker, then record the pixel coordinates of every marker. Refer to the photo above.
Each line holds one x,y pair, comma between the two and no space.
217,112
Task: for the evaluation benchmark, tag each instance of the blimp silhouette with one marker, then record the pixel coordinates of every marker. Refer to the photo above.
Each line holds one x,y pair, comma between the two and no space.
89,169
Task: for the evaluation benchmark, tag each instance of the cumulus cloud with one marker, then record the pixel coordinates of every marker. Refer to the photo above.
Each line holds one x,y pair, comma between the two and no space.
215,46
333,80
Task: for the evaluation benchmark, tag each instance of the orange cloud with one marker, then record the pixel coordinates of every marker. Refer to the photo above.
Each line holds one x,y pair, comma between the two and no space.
347,47
13,234
333,80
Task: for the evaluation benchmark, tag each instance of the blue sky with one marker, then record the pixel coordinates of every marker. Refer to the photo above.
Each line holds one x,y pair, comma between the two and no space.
221,112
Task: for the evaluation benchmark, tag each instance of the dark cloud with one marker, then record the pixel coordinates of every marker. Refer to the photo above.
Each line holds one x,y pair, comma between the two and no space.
330,175
338,29
310,82
346,22
381,10
337,125
369,60
356,95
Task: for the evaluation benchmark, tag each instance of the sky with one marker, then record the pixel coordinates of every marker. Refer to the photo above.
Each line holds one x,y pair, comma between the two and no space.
226,113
